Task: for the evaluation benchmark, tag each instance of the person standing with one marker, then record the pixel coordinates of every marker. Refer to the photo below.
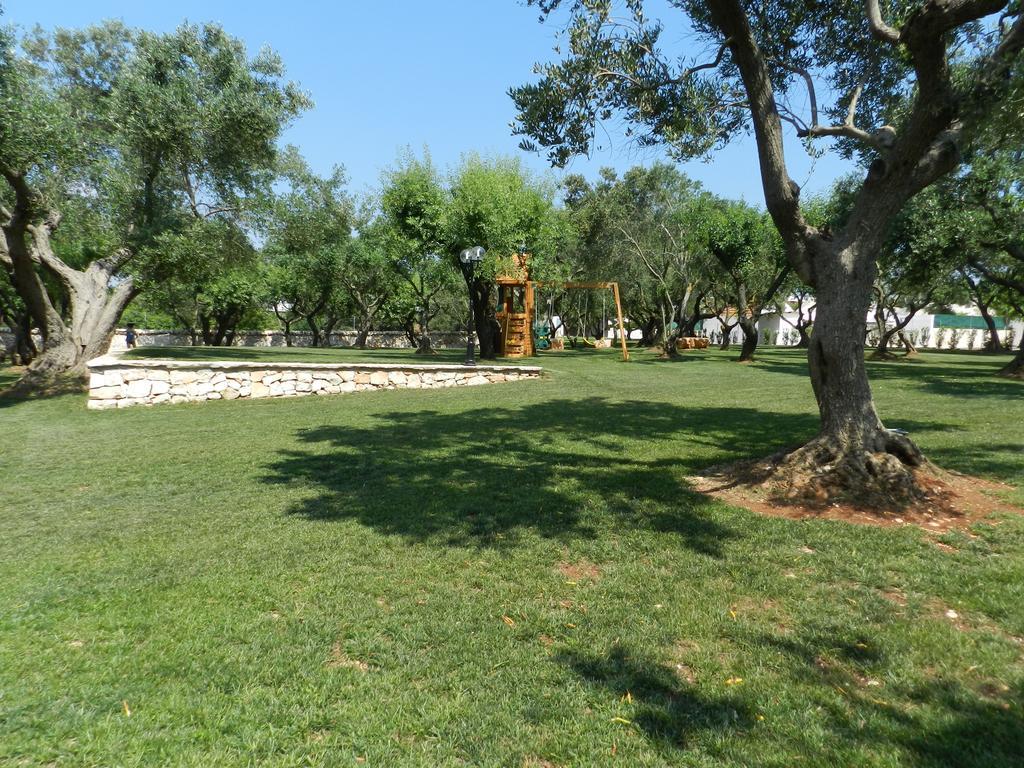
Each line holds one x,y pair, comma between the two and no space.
129,335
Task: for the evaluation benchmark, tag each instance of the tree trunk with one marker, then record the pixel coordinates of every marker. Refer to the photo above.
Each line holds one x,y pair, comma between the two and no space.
648,332
726,331
314,331
908,346
993,344
882,347
854,456
805,338
23,348
361,336
485,322
95,310
749,329
1015,368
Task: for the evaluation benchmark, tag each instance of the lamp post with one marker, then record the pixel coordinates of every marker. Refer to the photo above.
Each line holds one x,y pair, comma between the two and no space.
469,258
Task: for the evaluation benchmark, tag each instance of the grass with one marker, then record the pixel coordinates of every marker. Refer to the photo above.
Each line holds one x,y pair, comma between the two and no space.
307,355
513,575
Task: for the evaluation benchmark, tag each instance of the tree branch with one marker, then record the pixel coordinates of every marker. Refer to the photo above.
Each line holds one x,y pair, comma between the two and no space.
879,28
780,192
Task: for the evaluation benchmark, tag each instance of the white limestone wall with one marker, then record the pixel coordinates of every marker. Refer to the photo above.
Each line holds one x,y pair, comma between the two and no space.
115,383
275,338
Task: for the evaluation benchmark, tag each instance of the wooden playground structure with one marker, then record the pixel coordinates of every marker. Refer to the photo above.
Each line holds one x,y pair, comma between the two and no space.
517,303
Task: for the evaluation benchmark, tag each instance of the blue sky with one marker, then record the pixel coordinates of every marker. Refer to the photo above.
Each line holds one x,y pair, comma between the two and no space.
391,74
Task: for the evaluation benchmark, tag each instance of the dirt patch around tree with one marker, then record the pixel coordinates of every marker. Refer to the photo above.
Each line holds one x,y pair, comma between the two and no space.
949,500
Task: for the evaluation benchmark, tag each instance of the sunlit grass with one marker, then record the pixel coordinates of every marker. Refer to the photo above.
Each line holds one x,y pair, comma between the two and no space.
501,575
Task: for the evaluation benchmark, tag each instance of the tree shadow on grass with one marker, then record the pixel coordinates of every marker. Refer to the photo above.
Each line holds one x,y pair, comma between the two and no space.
939,722
953,378
668,711
16,389
1004,461
561,469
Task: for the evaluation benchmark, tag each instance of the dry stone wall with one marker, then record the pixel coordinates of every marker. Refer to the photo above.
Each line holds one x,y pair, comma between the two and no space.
117,383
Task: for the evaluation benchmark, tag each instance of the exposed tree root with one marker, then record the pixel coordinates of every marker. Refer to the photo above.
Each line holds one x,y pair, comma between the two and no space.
886,473
883,476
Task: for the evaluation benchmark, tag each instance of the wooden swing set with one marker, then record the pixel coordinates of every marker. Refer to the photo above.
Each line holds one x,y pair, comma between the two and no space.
517,301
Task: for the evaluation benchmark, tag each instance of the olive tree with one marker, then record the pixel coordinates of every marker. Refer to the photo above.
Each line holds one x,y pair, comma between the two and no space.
147,132
908,85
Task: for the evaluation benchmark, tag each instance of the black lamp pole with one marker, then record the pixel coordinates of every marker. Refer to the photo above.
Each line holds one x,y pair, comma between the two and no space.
469,258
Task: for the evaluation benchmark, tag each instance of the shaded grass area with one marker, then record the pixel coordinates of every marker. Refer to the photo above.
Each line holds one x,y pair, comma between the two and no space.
506,575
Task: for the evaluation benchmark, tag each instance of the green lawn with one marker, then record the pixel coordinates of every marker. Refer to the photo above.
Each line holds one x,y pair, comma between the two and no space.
512,575
306,355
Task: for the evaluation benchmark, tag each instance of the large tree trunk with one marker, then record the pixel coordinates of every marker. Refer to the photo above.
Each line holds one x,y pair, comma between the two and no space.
95,298
361,336
805,338
853,455
95,309
749,329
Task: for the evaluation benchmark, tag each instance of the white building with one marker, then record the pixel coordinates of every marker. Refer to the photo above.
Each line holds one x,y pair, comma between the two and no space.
964,328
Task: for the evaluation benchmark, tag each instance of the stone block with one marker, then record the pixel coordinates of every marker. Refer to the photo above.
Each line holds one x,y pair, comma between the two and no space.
162,398
158,375
183,377
379,378
397,377
348,386
270,378
104,393
138,388
213,396
259,389
362,378
160,388
230,394
348,375
303,376
110,379
304,386
133,374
